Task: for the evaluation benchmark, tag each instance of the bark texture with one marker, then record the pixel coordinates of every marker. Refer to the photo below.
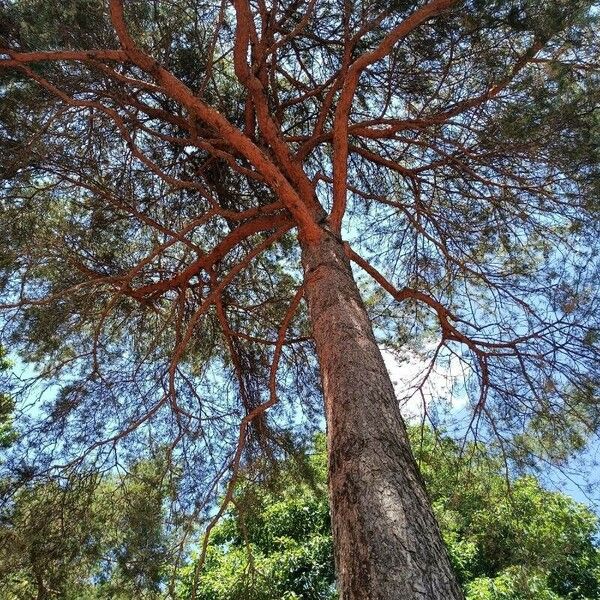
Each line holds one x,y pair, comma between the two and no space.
387,542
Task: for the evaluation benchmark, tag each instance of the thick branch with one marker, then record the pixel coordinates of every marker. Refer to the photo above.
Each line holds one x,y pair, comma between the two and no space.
342,113
176,89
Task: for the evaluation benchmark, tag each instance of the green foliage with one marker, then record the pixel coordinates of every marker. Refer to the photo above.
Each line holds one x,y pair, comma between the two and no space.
88,538
7,432
520,542
276,543
508,539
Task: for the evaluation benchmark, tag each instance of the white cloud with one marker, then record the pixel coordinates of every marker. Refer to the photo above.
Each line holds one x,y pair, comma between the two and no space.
420,386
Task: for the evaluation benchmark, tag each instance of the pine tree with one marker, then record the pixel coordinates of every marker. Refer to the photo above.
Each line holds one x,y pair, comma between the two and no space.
186,184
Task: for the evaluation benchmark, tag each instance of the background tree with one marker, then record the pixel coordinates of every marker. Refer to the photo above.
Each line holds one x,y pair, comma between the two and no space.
178,175
7,431
276,540
528,543
89,538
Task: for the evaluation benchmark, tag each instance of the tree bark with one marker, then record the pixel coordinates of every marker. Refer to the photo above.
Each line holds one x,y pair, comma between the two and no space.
387,542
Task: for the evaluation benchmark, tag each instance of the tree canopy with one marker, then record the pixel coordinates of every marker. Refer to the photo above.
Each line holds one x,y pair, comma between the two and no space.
88,538
185,184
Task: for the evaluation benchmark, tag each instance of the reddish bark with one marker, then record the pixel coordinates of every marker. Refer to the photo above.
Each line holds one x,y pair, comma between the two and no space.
387,543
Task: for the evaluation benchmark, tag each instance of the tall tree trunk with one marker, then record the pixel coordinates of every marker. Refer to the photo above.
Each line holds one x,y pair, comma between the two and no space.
387,542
